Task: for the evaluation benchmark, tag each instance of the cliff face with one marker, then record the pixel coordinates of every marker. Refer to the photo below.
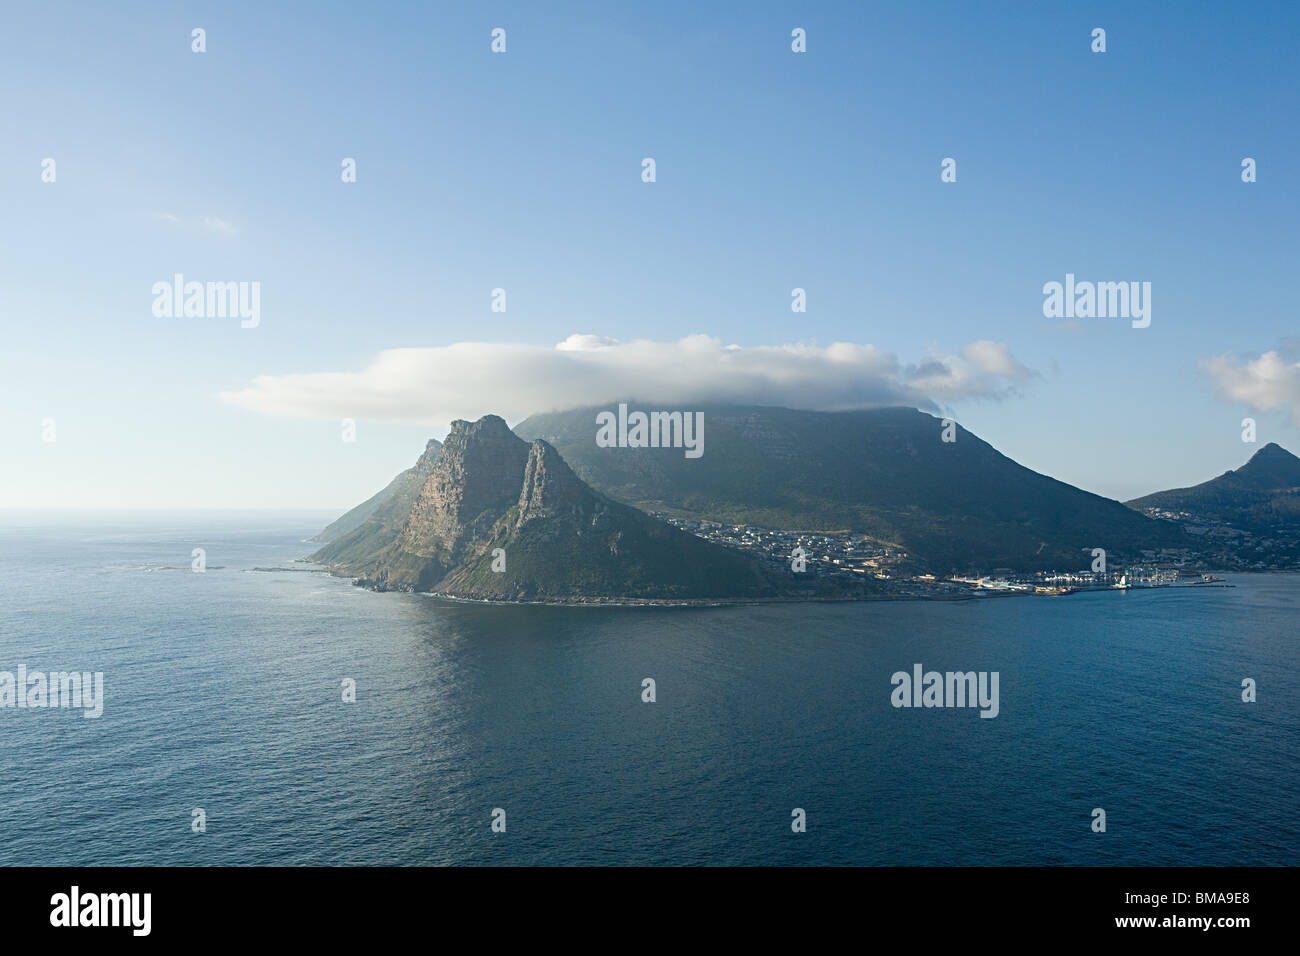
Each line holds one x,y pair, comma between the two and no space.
476,478
501,519
550,486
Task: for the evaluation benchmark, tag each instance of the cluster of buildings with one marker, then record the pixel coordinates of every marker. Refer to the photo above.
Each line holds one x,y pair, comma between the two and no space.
853,554
823,552
1221,544
1045,582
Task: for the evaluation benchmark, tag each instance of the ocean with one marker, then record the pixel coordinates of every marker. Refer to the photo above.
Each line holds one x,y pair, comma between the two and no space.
223,692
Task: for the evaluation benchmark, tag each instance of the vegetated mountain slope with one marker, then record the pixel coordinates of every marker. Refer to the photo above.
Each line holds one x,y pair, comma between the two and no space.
1261,494
371,526
886,472
1248,518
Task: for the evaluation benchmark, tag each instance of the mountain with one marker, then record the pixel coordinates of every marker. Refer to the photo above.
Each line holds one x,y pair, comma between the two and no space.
1264,490
375,523
953,506
1249,517
489,491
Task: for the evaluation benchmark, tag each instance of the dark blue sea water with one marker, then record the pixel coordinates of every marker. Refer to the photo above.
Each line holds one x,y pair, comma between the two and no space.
222,691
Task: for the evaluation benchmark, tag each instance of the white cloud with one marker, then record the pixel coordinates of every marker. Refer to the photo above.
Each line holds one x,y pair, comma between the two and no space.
994,358
219,226
433,386
1266,383
210,224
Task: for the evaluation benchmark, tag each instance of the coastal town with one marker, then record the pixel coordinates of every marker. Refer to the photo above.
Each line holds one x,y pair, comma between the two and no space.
849,554
1220,543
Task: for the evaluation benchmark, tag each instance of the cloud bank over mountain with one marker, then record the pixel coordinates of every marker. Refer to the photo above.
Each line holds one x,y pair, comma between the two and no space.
432,386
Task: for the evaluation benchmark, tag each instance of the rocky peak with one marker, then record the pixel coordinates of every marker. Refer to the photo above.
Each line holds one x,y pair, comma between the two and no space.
475,478
1272,467
549,484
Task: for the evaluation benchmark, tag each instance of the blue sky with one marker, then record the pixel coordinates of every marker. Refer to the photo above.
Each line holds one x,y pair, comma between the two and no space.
522,171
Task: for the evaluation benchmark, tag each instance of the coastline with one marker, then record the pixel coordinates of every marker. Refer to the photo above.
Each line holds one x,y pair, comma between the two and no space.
597,601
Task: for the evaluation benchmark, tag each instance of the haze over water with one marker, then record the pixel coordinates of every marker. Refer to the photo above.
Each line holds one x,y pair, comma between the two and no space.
222,691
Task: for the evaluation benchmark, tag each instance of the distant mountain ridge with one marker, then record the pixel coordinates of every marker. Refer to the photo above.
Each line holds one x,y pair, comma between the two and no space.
955,506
